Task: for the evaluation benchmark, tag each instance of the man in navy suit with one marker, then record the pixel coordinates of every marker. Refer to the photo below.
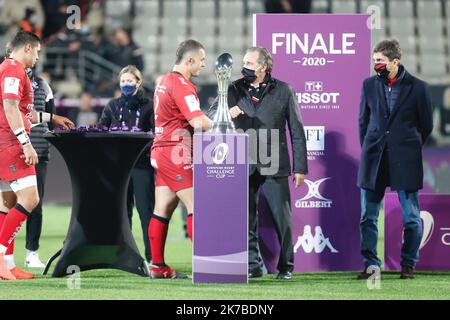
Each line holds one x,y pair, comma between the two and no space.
395,120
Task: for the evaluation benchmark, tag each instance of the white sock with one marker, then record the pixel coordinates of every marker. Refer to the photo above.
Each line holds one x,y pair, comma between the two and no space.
2,249
9,259
30,252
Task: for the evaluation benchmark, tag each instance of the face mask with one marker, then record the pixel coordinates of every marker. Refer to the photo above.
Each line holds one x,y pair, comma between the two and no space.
85,30
382,71
249,74
128,89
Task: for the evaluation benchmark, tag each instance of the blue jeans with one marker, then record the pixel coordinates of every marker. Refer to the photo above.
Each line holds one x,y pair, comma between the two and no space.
412,234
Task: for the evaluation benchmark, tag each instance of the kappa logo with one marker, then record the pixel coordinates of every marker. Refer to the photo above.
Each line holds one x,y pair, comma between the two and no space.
220,153
314,193
317,242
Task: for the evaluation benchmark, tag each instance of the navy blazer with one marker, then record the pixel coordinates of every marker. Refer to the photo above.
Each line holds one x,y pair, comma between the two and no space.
402,133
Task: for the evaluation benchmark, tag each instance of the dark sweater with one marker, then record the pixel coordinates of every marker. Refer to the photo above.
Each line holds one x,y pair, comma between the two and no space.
130,106
43,102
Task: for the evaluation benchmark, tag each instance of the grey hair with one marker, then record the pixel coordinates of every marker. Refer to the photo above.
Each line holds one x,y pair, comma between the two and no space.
265,58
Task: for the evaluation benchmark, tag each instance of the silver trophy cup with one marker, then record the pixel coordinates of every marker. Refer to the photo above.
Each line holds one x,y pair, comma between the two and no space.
222,122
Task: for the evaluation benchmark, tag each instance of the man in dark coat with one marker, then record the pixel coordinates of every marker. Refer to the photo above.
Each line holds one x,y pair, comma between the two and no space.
262,106
395,120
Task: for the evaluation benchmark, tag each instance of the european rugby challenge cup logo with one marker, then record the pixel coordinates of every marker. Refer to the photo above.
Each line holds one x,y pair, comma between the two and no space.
220,153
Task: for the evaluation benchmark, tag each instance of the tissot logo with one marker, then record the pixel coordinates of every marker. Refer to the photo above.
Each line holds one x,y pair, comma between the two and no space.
313,86
220,153
314,193
315,93
315,138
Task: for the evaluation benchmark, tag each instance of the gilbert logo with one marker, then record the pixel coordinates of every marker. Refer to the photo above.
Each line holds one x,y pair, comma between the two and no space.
314,193
220,153
428,227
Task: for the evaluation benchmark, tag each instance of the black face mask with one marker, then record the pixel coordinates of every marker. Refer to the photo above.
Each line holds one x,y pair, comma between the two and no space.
249,74
382,71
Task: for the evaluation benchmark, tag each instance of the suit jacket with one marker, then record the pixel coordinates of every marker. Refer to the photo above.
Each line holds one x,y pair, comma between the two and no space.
277,108
401,132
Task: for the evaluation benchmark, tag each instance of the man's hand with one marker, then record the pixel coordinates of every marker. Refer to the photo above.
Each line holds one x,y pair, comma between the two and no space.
31,157
299,179
236,111
63,122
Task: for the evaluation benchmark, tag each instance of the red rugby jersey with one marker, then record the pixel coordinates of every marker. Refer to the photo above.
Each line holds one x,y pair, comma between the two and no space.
14,85
175,103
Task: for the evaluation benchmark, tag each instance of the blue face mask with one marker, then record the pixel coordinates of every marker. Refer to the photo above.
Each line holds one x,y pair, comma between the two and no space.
128,89
85,30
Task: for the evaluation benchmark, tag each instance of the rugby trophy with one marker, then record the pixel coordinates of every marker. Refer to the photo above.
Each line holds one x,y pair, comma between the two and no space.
220,243
222,122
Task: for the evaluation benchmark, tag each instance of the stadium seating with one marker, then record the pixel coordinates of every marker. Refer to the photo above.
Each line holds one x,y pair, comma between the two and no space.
421,26
228,26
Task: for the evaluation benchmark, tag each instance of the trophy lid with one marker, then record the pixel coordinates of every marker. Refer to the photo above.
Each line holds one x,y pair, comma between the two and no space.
224,62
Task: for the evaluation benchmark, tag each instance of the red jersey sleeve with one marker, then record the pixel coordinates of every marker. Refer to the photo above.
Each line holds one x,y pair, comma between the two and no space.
186,98
12,83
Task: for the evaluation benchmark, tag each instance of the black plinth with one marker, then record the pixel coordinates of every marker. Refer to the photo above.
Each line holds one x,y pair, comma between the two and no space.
99,235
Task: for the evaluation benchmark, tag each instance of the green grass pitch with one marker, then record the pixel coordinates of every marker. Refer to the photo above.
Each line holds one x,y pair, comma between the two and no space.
111,284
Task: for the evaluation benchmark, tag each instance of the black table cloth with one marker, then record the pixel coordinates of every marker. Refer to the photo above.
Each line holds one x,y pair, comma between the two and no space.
99,234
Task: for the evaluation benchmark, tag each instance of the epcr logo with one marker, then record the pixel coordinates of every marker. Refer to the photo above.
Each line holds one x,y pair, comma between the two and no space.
428,227
220,153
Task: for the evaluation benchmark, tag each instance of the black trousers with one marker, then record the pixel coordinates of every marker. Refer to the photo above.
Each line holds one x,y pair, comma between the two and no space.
276,190
34,221
142,190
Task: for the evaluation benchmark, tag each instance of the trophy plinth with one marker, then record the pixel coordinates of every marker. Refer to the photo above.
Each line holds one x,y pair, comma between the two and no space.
222,122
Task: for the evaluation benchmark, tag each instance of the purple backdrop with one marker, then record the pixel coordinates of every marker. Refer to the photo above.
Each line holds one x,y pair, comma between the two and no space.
331,58
436,165
435,245
221,208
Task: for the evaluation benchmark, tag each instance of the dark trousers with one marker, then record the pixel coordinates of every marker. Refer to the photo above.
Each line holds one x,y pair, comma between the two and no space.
276,190
34,221
142,190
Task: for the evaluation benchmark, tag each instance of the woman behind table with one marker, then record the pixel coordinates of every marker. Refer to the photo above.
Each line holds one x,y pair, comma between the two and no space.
132,109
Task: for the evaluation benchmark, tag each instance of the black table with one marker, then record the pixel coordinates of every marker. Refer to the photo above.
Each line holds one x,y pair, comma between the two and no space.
99,234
